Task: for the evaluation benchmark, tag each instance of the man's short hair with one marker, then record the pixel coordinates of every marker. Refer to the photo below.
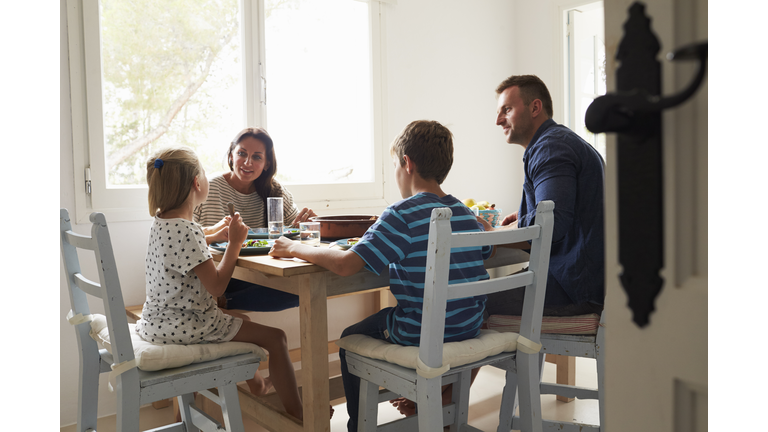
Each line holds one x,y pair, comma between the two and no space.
429,145
531,87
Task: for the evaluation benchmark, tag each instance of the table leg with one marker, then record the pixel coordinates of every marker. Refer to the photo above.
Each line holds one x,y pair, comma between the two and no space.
313,315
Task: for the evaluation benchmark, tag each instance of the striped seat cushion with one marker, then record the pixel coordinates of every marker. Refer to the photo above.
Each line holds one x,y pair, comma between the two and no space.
575,325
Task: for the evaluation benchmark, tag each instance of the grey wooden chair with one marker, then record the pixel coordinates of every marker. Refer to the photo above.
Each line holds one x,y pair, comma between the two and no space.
423,383
135,387
587,346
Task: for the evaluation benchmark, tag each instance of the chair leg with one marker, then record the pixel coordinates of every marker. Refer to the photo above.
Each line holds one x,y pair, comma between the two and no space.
430,404
185,401
127,391
508,397
88,403
460,399
368,410
600,386
529,368
230,408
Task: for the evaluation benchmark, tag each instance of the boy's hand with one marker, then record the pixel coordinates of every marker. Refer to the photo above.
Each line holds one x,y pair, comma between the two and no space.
509,219
238,231
484,223
282,248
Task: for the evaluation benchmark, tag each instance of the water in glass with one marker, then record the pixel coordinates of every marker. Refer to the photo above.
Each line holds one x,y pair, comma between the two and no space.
310,233
275,216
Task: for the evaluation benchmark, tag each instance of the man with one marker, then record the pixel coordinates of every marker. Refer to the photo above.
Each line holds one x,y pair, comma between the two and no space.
562,167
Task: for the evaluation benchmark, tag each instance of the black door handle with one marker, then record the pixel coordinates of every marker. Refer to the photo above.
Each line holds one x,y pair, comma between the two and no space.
634,112
616,112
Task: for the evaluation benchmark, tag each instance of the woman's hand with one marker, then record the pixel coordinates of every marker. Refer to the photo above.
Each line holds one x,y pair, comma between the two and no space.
303,216
281,248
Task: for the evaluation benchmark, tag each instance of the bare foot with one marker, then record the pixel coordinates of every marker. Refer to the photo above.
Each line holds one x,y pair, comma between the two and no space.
259,386
404,406
408,407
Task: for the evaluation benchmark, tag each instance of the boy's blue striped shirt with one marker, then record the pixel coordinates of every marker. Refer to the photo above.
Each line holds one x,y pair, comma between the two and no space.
398,240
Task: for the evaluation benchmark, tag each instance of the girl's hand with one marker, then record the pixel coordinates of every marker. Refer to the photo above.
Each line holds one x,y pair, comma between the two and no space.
216,228
303,216
238,231
222,223
220,236
282,248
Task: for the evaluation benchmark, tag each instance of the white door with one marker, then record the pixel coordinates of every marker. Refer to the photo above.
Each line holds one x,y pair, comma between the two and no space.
656,376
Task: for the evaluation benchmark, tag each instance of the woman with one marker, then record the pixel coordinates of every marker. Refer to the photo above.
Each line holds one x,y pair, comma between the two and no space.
253,166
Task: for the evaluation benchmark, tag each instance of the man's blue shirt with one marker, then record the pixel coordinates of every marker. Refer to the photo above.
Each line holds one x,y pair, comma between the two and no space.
560,166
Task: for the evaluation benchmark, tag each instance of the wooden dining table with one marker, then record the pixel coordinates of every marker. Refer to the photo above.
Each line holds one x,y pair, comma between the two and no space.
314,285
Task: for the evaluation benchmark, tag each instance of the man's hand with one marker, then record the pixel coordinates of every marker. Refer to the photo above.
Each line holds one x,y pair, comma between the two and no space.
282,248
510,219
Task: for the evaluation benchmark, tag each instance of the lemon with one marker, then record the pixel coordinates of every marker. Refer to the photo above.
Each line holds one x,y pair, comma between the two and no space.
469,202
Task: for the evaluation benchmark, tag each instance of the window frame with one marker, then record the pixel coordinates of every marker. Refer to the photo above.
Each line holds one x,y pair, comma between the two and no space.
130,203
565,83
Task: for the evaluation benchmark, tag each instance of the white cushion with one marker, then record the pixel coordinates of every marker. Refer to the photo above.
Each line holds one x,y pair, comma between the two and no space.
153,357
488,343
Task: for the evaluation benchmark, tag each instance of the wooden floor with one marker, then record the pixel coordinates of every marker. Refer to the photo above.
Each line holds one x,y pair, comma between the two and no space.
485,397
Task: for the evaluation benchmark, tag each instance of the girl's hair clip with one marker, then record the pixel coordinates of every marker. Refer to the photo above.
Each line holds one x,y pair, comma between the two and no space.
159,163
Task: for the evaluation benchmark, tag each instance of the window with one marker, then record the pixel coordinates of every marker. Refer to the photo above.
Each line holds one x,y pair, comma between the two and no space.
584,64
148,74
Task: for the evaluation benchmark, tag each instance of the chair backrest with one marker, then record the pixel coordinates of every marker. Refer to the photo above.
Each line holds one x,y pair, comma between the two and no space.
107,289
437,291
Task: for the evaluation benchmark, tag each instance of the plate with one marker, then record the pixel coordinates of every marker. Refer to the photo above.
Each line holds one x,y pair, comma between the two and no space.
287,232
344,243
258,250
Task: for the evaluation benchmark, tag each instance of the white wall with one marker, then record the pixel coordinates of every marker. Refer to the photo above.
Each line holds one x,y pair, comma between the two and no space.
444,59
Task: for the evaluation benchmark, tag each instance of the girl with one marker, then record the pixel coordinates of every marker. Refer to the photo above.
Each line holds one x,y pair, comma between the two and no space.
183,281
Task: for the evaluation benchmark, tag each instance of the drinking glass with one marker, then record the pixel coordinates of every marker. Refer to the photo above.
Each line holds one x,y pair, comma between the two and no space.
275,217
310,233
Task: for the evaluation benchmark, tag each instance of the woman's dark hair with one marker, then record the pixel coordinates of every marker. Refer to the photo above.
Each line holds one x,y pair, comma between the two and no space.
266,185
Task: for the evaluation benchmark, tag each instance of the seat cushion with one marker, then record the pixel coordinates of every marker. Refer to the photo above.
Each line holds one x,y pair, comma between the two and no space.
455,354
153,357
575,325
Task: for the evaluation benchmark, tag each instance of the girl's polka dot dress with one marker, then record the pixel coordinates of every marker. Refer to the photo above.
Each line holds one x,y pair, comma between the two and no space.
178,309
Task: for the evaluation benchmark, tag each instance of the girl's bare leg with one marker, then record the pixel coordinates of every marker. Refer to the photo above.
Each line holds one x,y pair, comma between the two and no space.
258,385
281,371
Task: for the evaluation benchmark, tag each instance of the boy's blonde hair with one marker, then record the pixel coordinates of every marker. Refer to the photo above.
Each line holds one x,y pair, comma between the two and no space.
170,173
429,145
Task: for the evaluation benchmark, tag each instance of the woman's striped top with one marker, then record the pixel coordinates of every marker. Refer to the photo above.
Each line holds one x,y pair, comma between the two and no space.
250,206
398,240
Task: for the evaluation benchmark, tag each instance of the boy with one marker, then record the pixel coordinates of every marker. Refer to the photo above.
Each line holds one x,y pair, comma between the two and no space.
423,155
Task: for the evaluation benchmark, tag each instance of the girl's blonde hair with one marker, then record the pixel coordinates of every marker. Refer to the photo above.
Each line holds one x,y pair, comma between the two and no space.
170,173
